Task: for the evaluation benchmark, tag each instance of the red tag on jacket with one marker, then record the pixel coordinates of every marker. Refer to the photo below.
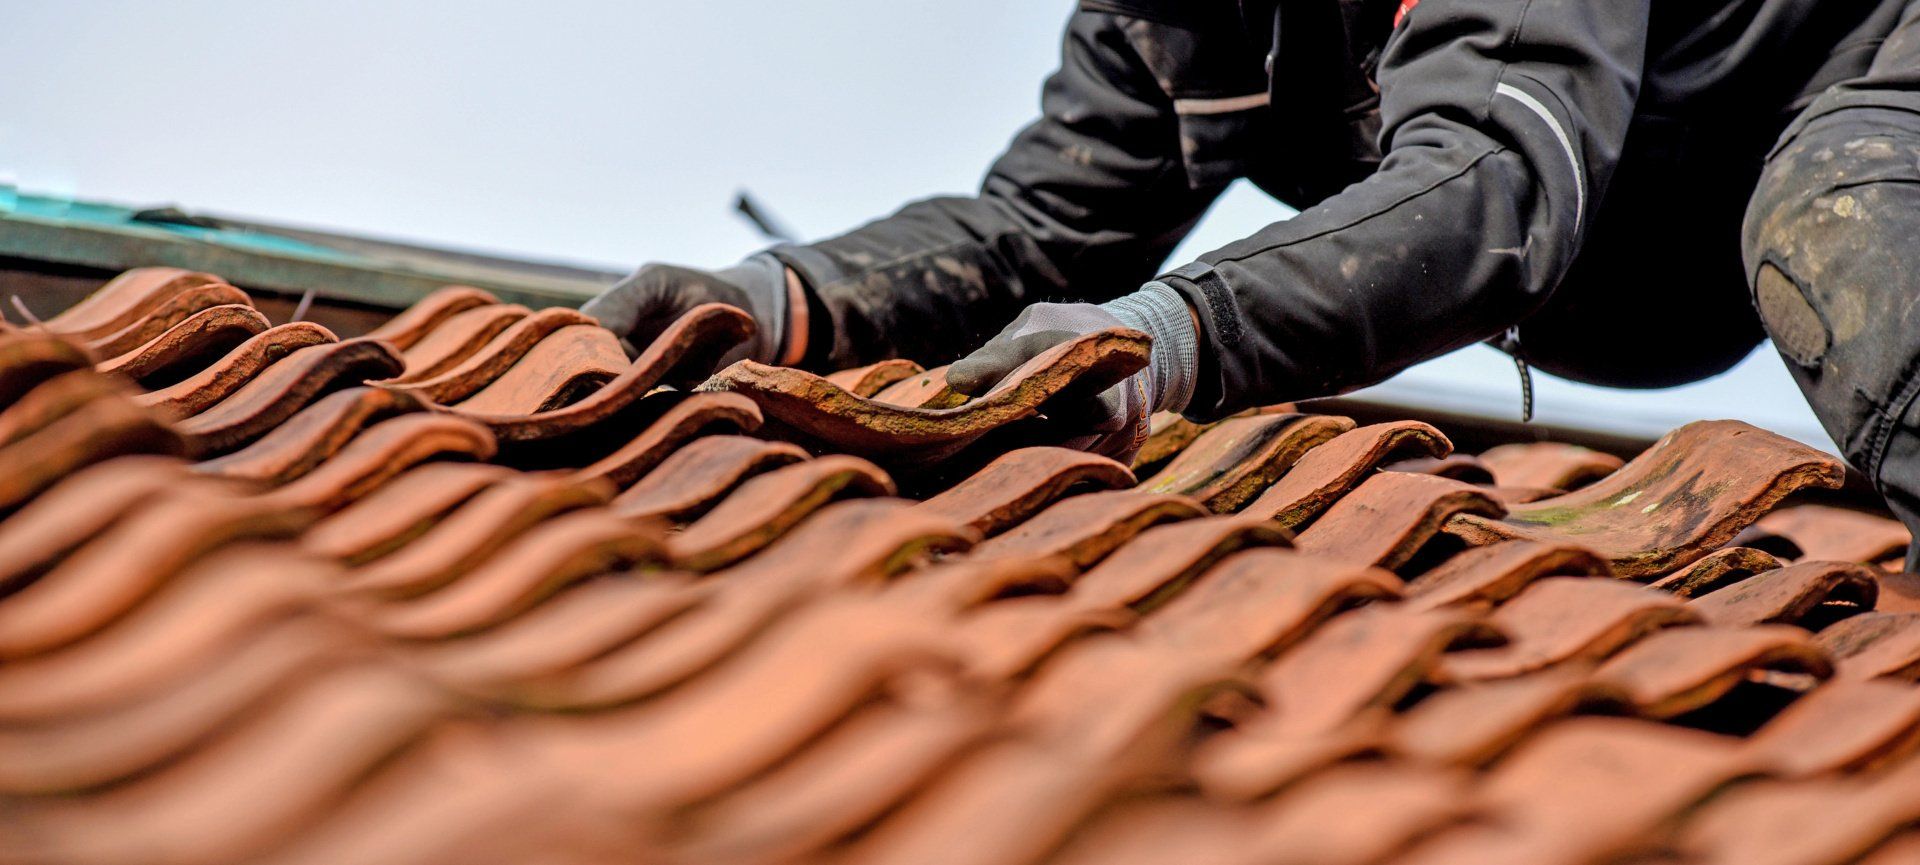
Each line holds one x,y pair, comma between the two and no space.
1405,7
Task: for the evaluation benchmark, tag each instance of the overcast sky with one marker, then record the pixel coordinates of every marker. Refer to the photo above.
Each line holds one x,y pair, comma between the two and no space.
608,133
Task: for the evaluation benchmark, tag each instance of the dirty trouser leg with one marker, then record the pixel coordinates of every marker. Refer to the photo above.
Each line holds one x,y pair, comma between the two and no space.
1832,246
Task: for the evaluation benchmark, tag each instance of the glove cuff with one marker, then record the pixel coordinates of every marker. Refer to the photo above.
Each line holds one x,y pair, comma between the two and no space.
1162,313
763,279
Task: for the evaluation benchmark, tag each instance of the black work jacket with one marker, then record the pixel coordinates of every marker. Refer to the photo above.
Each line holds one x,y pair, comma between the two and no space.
1575,167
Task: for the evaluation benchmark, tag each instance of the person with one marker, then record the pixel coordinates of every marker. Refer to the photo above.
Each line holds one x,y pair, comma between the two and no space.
1629,193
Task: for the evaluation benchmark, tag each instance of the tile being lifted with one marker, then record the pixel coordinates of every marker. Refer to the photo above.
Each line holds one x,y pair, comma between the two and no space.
197,392
205,335
1686,496
1238,458
924,389
820,412
865,381
1329,471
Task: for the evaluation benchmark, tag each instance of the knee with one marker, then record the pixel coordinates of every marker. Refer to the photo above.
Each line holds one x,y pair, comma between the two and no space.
1828,232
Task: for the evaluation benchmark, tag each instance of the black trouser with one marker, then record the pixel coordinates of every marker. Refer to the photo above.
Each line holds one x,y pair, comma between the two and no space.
1832,245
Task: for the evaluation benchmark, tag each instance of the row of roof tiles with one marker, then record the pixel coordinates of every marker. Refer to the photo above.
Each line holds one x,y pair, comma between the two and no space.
476,587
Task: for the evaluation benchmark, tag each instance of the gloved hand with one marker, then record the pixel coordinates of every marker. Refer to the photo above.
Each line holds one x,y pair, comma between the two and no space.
639,307
1115,421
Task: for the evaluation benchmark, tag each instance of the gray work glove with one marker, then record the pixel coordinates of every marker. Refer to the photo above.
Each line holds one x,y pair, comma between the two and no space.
1115,421
639,307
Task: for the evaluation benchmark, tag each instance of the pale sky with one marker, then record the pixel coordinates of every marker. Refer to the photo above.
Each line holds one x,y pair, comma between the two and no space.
612,134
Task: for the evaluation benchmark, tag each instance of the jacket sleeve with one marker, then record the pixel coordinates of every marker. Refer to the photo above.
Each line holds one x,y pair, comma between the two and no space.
1501,124
1087,202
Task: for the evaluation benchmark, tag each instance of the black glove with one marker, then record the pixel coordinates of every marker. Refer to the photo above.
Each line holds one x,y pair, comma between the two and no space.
639,307
1115,421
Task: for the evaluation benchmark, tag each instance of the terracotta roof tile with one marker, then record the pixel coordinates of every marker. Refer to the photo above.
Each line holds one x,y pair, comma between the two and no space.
492,360
1020,483
1549,465
1837,534
701,473
219,379
1681,669
1328,472
413,324
689,417
398,607
832,417
1687,495
152,322
1792,594
1717,570
1232,462
1558,619
280,391
1492,574
301,442
456,339
766,506
124,300
869,380
211,332
1388,518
